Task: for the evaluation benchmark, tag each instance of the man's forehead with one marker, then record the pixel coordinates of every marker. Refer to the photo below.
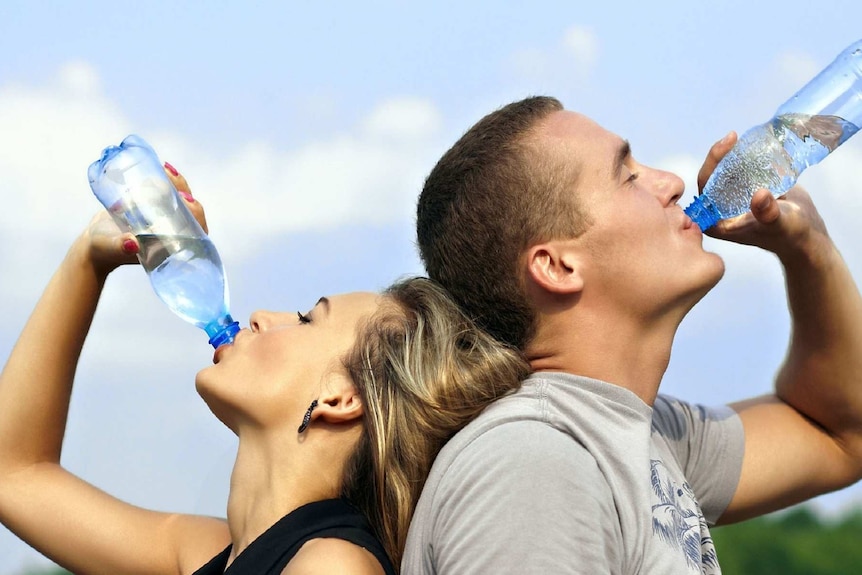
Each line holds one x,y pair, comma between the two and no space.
577,136
565,123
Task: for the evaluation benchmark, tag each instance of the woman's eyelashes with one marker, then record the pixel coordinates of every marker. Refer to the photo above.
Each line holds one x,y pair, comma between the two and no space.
303,318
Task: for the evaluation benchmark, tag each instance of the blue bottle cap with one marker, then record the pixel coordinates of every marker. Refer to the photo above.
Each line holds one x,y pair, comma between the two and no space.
222,334
703,212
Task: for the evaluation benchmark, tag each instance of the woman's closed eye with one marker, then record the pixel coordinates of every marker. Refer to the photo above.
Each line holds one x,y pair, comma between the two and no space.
303,318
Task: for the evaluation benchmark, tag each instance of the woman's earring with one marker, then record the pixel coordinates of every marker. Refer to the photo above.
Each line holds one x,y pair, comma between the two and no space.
306,419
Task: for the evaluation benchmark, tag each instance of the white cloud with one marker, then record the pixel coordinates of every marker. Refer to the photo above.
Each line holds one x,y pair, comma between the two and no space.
80,79
531,63
403,119
50,136
369,173
576,52
583,45
797,68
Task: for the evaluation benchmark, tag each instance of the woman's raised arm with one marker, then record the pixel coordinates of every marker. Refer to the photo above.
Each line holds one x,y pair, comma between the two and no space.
62,516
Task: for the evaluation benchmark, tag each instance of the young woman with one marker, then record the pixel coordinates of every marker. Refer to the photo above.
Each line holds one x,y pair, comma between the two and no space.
339,413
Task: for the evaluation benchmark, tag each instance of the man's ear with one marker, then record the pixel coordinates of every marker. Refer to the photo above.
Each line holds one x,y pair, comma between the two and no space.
340,403
555,267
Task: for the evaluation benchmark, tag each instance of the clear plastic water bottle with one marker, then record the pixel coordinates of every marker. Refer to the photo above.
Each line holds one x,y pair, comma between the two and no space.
804,130
182,263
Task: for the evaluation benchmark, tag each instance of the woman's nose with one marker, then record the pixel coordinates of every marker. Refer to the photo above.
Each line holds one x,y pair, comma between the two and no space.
263,320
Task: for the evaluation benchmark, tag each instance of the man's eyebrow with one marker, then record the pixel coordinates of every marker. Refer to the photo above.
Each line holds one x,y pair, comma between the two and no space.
623,153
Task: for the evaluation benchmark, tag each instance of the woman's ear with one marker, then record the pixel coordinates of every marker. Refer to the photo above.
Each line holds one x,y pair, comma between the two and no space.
341,405
555,267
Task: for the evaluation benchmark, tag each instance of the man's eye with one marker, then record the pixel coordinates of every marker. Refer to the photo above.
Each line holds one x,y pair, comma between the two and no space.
303,318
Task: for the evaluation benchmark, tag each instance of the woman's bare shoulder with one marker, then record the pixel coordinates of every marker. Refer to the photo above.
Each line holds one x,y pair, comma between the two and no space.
330,555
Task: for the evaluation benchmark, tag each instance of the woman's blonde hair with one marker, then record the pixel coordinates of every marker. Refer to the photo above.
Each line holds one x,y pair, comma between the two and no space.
424,370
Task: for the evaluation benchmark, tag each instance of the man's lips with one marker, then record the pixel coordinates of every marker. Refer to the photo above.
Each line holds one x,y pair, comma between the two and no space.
688,223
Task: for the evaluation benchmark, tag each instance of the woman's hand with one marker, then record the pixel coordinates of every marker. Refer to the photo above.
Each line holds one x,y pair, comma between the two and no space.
109,247
182,186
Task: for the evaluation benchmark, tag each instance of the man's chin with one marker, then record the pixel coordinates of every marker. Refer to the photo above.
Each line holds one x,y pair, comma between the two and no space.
714,272
711,277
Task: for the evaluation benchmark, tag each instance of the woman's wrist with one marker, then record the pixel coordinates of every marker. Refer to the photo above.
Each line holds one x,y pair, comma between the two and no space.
80,258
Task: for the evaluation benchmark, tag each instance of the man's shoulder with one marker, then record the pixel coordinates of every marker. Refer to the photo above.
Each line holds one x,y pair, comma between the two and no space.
509,451
675,419
515,470
517,428
510,424
511,436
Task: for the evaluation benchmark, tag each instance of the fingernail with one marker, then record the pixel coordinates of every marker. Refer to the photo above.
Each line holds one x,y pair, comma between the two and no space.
129,246
188,197
171,169
765,202
724,140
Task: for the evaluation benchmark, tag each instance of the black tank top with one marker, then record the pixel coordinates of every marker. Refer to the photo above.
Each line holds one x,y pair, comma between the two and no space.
270,553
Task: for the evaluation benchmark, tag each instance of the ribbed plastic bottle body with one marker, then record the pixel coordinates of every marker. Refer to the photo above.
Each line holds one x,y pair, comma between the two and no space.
188,276
805,129
182,263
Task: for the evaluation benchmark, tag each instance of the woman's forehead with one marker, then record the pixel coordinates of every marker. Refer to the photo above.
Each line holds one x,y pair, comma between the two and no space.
356,304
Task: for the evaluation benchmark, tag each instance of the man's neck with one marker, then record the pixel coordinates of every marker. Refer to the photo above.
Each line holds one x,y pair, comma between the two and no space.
623,353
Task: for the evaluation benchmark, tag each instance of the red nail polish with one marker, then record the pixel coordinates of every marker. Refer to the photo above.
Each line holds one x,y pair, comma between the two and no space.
171,169
129,246
188,197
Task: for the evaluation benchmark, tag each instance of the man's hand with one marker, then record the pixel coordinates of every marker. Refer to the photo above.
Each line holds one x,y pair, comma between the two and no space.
787,226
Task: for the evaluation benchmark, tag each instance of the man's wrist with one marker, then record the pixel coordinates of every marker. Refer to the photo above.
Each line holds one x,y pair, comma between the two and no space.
816,252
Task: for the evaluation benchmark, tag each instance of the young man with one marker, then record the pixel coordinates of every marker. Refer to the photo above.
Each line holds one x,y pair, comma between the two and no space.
547,230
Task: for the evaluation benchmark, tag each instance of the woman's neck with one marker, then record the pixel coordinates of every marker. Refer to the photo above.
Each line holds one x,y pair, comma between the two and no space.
269,480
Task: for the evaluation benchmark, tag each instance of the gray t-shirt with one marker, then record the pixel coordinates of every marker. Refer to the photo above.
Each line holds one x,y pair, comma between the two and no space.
574,475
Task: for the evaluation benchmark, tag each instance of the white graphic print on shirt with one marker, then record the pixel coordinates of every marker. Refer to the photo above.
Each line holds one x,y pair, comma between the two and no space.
678,521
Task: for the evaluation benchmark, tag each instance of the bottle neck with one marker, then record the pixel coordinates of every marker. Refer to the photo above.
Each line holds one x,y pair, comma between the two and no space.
703,212
222,331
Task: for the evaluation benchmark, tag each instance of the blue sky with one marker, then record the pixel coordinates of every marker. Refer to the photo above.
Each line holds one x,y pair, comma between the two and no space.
306,130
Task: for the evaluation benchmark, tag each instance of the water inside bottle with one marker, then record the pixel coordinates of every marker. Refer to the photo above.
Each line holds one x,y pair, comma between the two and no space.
772,156
809,139
187,275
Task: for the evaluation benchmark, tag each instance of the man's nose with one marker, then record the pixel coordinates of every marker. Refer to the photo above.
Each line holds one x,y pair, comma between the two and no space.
669,187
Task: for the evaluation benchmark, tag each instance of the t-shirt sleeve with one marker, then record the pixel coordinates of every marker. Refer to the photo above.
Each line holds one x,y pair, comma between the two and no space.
524,498
709,443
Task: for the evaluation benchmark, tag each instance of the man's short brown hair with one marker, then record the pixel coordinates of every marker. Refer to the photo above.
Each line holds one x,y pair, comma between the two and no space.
490,197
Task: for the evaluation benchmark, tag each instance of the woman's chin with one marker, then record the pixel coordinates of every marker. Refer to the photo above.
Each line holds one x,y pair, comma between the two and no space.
217,404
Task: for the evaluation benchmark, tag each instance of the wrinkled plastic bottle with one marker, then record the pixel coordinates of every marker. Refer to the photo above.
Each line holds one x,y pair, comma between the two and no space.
182,263
804,130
